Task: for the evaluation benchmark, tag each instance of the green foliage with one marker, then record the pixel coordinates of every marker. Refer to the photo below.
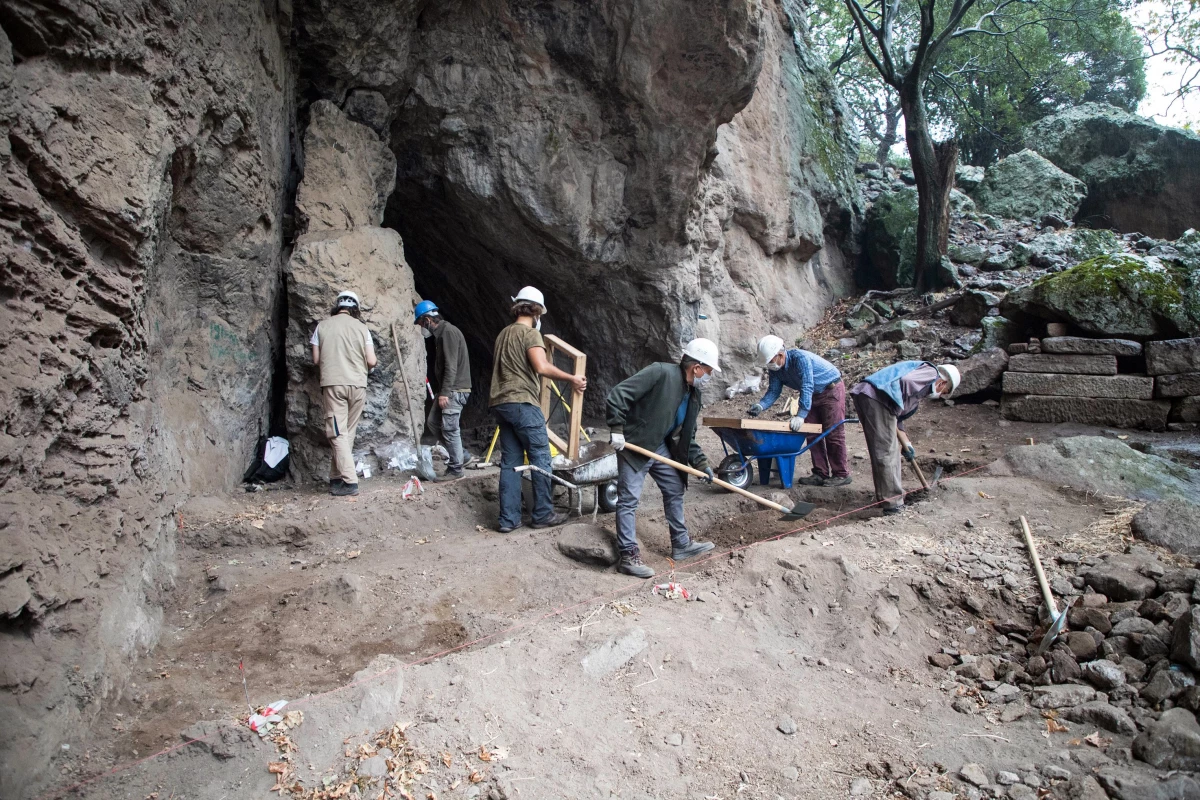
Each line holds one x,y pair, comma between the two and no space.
1171,28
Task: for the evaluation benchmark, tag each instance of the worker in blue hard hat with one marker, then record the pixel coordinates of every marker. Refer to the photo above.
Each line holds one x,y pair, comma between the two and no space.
452,382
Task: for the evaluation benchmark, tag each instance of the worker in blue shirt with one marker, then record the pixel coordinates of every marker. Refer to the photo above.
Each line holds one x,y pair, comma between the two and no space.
822,401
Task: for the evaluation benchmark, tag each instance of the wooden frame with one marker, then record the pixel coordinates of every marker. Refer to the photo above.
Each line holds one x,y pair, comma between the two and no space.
571,446
780,426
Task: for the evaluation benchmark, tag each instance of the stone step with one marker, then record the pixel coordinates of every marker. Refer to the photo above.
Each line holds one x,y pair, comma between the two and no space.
1183,385
1186,409
1082,346
1173,356
1149,414
1064,364
1131,387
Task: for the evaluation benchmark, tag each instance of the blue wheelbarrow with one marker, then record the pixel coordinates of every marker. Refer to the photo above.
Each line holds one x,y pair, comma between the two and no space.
771,448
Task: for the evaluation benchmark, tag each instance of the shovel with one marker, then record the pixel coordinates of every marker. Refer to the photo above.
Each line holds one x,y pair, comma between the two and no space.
798,511
1058,621
937,473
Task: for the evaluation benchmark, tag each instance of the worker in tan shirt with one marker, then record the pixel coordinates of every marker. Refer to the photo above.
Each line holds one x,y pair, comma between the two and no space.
342,348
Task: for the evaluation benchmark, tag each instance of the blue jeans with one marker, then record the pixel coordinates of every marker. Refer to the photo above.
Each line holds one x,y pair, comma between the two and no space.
629,494
523,431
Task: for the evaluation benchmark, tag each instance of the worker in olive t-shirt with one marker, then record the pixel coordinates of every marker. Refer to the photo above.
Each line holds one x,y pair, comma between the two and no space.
342,348
520,358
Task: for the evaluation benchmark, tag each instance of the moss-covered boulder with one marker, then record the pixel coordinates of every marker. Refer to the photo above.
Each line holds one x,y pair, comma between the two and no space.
891,239
1121,295
1027,186
1140,176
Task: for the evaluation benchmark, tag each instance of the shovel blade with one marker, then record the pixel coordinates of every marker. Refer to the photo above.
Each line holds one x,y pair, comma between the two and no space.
937,476
798,511
1056,628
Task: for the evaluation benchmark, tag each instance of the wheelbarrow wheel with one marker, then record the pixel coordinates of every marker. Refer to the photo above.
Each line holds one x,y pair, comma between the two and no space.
608,496
735,471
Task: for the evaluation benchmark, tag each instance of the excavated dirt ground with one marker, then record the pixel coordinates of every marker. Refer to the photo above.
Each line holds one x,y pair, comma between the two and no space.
306,590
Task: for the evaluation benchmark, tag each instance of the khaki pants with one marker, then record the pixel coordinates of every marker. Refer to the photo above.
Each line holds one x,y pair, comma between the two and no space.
879,429
343,410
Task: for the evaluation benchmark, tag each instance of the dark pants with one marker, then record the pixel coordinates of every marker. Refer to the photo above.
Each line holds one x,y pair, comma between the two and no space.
879,429
523,431
828,409
629,493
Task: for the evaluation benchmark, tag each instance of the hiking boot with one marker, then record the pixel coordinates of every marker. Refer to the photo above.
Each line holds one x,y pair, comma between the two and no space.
816,479
335,482
553,522
891,512
345,490
842,481
631,564
690,550
449,475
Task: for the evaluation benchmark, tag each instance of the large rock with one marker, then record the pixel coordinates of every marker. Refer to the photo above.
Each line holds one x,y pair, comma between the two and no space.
588,544
1062,695
1185,409
891,239
1133,387
1027,186
144,177
1121,295
1101,714
981,371
972,307
1173,356
1064,364
1105,466
1173,742
348,173
1173,523
1147,414
1140,176
1118,578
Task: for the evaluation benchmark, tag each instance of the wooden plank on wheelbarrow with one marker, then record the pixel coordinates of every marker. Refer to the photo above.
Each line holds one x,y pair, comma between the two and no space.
780,426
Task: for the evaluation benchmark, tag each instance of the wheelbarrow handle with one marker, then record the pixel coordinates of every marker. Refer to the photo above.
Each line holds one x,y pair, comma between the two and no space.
699,474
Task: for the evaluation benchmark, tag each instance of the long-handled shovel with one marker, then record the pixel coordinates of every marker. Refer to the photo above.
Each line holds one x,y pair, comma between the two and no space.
1058,620
798,511
925,485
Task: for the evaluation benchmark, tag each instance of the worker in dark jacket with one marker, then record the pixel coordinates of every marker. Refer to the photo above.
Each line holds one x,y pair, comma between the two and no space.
657,409
883,401
452,379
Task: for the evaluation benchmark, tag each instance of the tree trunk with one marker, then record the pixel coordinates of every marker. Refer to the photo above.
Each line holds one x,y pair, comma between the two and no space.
947,160
891,121
929,190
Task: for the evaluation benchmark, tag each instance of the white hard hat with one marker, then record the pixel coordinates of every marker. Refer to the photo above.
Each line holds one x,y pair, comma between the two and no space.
769,347
950,373
346,299
704,351
531,295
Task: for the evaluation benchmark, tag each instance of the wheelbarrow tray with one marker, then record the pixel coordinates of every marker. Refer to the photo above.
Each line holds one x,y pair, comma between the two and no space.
597,463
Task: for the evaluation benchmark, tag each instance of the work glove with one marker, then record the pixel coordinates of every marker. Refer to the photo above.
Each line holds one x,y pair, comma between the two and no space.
755,410
796,423
617,440
910,454
708,475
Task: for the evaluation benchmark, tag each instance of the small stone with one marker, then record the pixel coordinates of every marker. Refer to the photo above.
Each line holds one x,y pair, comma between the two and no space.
964,705
790,773
674,739
1013,712
1007,778
373,767
1103,674
860,786
786,726
973,774
1021,792
1062,695
1171,743
1082,645
1055,772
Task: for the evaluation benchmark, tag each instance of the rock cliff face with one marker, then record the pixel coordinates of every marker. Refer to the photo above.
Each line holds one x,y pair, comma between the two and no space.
576,147
169,234
143,183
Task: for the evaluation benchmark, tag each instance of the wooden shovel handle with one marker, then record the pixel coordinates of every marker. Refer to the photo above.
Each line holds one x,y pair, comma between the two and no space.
699,474
1051,609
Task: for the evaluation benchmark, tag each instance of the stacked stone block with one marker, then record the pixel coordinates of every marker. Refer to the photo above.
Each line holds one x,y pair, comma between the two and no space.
1075,379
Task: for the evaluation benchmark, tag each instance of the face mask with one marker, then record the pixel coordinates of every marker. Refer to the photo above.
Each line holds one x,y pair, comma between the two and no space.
425,332
702,380
537,324
773,367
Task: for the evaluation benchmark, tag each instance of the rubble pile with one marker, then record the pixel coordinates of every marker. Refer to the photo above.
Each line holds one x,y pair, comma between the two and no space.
1080,379
1122,675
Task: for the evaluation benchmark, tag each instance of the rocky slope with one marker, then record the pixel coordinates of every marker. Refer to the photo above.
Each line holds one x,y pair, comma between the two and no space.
662,170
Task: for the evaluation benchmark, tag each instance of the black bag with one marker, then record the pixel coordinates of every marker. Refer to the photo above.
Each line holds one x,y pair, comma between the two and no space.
260,472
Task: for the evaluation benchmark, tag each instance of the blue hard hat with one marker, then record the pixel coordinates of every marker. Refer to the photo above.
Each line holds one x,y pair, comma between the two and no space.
423,308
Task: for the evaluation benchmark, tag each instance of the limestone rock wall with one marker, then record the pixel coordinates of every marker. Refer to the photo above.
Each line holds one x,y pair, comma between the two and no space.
144,149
